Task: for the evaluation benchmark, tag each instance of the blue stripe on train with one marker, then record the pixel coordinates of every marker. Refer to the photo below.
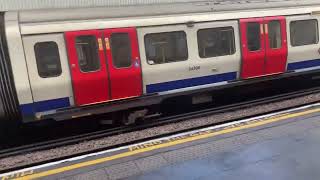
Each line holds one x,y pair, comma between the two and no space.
32,108
172,85
303,64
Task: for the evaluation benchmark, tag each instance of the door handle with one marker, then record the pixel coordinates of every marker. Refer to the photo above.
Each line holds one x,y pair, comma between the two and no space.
214,69
136,62
107,42
100,44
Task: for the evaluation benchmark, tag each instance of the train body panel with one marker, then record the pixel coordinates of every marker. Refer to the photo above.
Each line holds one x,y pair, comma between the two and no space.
88,67
9,104
106,62
276,45
53,25
17,58
143,58
185,68
253,48
304,48
264,46
49,73
124,64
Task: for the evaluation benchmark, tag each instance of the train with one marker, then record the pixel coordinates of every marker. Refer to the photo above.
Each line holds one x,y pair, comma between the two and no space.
62,64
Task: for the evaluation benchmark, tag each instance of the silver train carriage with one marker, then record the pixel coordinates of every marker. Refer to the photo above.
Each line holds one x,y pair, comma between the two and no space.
68,63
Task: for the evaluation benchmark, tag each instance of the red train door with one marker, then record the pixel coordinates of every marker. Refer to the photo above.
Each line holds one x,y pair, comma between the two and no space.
253,47
123,62
276,45
264,46
88,67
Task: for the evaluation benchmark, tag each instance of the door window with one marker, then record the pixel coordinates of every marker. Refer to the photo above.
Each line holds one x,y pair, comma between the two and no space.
87,51
121,50
216,42
166,47
253,36
48,59
304,32
274,35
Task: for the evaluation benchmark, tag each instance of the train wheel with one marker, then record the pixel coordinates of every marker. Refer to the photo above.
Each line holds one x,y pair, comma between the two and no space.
126,120
130,118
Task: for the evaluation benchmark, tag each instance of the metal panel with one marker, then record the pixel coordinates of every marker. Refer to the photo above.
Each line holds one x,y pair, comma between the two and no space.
91,86
252,59
107,12
276,58
179,75
17,58
126,80
6,5
305,57
62,26
9,111
263,60
160,73
48,88
41,4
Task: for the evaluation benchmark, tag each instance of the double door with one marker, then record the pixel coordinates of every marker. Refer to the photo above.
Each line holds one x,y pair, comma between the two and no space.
105,65
264,46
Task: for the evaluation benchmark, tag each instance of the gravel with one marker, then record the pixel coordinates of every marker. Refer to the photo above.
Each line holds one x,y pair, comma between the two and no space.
40,156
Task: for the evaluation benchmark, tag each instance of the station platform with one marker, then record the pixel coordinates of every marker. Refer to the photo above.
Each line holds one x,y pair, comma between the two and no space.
284,145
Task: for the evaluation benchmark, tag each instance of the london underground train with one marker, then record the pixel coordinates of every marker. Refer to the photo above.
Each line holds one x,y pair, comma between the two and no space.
61,64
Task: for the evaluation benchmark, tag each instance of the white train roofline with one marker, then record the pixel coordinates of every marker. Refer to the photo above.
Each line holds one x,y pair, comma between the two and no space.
56,26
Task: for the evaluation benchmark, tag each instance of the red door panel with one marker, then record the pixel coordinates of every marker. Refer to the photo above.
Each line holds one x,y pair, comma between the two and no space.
88,67
276,45
253,47
123,62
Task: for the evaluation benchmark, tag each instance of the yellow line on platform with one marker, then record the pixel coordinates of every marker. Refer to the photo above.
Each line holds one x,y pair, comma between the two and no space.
167,144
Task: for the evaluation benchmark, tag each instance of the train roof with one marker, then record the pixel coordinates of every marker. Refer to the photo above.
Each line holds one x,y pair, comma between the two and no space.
18,5
172,12
9,5
128,8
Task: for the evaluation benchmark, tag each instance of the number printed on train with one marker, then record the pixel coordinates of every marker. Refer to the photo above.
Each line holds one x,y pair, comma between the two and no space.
59,64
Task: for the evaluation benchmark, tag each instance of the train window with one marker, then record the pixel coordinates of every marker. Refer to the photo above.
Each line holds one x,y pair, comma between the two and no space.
121,50
216,42
166,47
87,51
48,59
253,36
304,32
274,35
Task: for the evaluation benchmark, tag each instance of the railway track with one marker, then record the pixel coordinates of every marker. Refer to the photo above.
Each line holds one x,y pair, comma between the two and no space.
152,123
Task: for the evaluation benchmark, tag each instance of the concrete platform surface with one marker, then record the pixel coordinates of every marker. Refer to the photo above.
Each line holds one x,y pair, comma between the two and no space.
280,147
